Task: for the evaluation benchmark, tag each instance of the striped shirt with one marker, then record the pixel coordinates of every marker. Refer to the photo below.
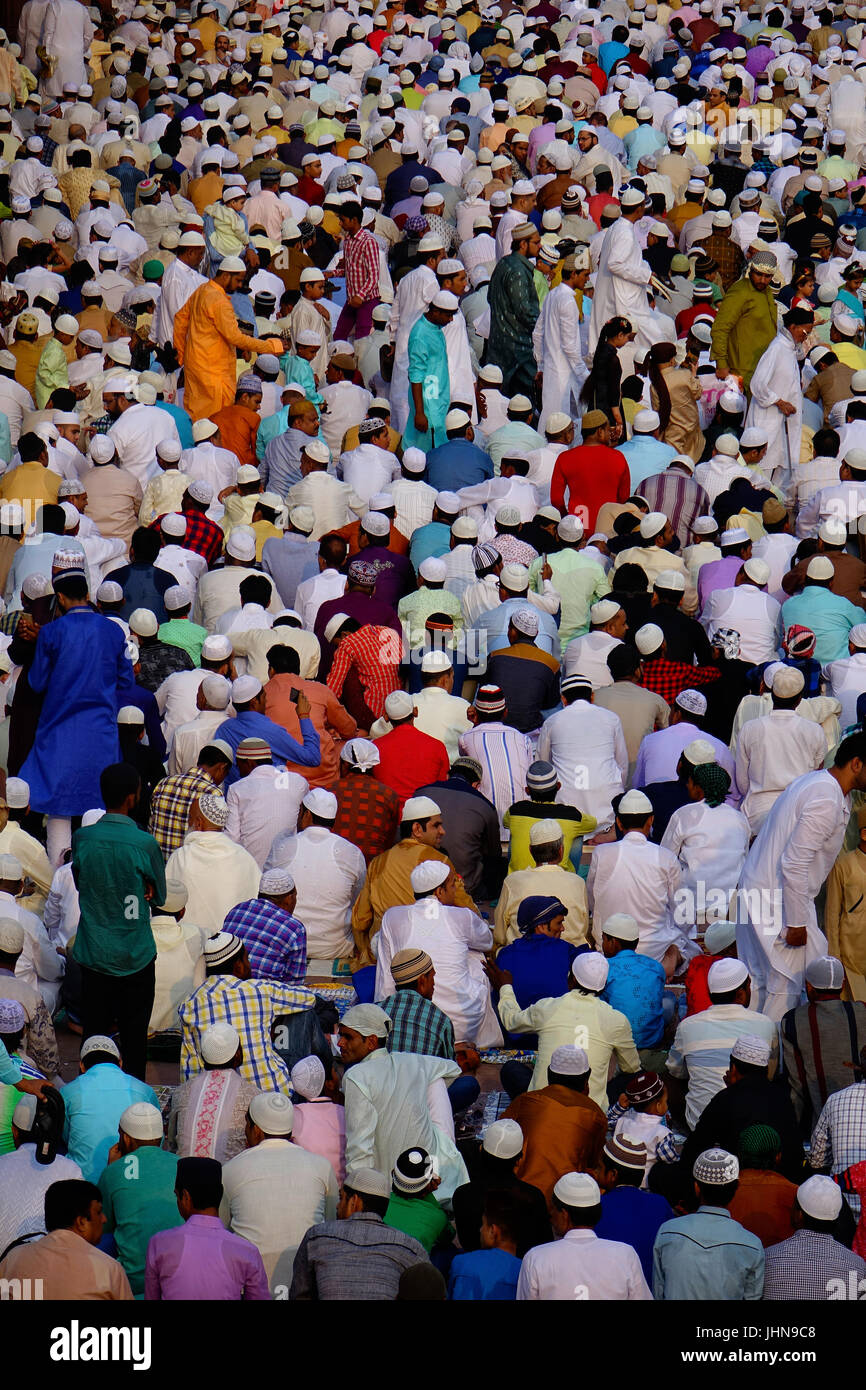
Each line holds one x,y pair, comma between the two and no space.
702,1050
677,495
504,754
251,1007
361,265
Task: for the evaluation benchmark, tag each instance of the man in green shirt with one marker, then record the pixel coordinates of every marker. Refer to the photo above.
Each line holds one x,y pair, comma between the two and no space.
137,1188
178,631
118,870
412,1208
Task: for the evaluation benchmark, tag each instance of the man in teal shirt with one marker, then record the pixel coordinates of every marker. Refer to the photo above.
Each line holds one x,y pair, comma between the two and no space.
830,616
138,1189
94,1103
118,870
429,382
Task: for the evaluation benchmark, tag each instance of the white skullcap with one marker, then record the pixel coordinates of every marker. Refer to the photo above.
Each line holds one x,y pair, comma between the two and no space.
621,925
214,809
308,1077
419,808
399,705
652,525
141,1121
674,580
427,876
819,567
11,936
752,1050
321,803
143,623
635,803
245,688
699,752
219,1044
577,1190
648,638
368,1020
716,1168
825,972
503,1139
241,544
272,1112
590,970
727,444
787,682
692,701
820,1197
17,793
130,714
545,832
759,571
726,975
603,611
274,883
433,568
569,1061
645,421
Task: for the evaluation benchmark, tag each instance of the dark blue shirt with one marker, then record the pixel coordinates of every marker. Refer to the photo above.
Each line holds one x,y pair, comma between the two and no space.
143,587
250,723
634,1217
485,1275
540,966
635,986
457,464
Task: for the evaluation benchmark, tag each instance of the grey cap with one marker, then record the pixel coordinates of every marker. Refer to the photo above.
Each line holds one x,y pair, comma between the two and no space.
826,973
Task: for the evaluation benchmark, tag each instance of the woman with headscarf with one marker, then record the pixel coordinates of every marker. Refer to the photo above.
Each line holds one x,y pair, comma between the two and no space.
602,389
710,839
674,393
539,959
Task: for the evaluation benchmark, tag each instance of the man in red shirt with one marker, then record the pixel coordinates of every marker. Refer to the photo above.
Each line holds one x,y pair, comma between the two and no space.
359,263
408,758
593,473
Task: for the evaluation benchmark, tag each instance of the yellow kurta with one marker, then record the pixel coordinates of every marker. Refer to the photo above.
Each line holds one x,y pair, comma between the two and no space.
206,337
845,919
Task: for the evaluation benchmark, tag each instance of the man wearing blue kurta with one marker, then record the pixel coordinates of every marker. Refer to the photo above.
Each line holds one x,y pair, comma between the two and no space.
429,385
80,661
830,616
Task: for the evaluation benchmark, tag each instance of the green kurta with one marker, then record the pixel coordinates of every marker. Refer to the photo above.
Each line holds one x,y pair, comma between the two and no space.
743,328
180,632
428,367
513,301
52,372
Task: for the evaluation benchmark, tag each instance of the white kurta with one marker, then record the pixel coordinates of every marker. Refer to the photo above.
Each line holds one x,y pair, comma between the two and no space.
414,296
387,1111
67,32
711,843
771,752
557,347
586,745
460,374
329,874
777,377
218,875
455,939
782,876
633,875
177,284
621,284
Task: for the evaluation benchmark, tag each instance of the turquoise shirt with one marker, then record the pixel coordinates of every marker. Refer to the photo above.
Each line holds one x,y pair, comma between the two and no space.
707,1256
138,1200
112,864
298,369
829,616
428,368
94,1102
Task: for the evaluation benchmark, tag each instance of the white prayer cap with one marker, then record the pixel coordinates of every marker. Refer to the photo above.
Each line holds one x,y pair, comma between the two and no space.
648,638
302,519
719,936
399,705
753,438
216,647
200,491
232,264
446,300
503,1139
143,623
333,625
375,524
635,803
788,681
819,567
704,525
716,1167
735,535
272,1112
577,1190
427,876
17,793
464,528
726,975
631,197
420,808
545,832
130,714
308,1077
826,973
693,702
318,451
203,429
216,690
645,421
673,580
321,803
245,688
728,444
752,1050
274,883
759,571
141,1121
570,528
569,1061
621,926
176,597
514,578
219,1044
414,460
66,324
11,936
699,752
833,531
603,611
436,662
652,524
368,1020
590,970
433,568
99,1042
820,1197
214,809
241,544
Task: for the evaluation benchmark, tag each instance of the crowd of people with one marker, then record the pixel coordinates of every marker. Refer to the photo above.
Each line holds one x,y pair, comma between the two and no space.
433,650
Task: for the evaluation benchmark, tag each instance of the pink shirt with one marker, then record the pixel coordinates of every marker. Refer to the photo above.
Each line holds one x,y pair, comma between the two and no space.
320,1128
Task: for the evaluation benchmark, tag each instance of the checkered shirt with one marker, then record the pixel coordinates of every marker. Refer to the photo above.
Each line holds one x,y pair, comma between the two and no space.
668,678
250,1006
276,941
375,654
169,807
368,813
419,1025
839,1137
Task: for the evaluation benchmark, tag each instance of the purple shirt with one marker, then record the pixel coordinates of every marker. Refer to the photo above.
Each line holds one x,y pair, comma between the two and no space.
201,1261
660,752
718,574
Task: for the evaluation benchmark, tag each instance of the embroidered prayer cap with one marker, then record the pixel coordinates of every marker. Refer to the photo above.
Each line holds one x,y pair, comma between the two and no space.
692,701
409,965
219,1044
625,1153
525,621
820,1197
590,970
825,973
751,1049
577,1190
413,1171
704,526
644,1087
716,1168
569,1061
222,947
361,753
253,750
375,524
363,573
214,809
11,936
503,1139
621,926
726,975
429,875
141,1121
272,1112
368,1020
99,1042
541,776
489,699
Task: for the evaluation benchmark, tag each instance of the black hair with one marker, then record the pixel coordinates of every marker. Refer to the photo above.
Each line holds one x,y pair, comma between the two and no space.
145,545
202,1179
826,443
377,1205
284,660
117,782
94,1059
31,446
718,1194
406,826
351,209
67,1200
854,746
579,1216
256,588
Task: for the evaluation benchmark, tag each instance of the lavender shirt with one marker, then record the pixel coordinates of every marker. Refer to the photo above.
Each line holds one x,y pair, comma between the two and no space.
203,1261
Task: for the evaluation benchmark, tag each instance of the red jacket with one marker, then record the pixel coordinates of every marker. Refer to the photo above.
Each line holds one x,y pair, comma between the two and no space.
593,474
409,759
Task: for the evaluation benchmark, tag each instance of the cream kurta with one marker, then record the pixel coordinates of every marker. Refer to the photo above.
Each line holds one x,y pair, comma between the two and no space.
845,919
547,881
218,875
683,431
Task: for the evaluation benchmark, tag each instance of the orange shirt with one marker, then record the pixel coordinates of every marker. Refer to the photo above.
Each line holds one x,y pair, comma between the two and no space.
331,721
564,1132
764,1203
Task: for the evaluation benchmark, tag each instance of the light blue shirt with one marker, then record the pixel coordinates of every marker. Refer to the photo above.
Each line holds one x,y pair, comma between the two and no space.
830,616
707,1256
494,624
5,439
645,456
94,1104
514,437
642,141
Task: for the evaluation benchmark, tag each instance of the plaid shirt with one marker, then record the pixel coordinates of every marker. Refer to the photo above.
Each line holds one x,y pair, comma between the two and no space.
250,1006
368,813
668,678
802,1266
419,1025
361,265
839,1137
203,536
728,256
276,941
160,660
374,653
169,807
677,495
